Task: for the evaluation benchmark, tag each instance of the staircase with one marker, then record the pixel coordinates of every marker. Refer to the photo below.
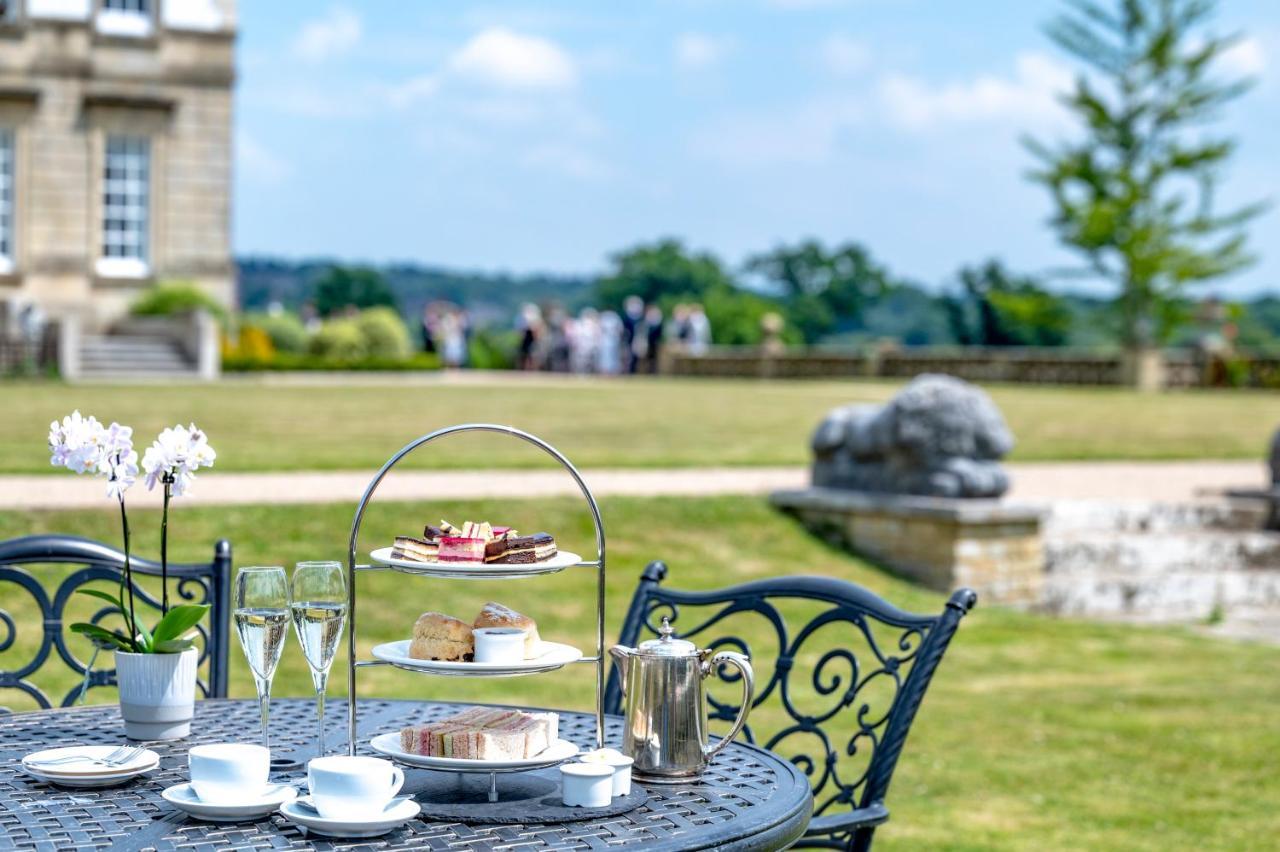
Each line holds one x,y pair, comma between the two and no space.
133,356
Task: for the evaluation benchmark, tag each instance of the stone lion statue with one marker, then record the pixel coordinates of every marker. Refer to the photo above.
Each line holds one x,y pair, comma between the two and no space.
940,436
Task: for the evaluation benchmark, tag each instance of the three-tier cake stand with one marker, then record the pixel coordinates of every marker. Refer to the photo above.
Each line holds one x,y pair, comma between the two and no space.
491,572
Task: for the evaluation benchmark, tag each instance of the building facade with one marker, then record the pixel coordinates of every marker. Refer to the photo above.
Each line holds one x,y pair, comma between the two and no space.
115,151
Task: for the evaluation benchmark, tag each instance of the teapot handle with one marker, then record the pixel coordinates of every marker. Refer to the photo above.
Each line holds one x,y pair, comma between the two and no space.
743,665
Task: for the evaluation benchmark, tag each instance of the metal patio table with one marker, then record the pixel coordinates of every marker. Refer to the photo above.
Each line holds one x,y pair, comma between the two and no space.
749,799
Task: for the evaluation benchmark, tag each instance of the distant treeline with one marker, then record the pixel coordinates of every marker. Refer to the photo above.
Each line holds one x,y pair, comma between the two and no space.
985,305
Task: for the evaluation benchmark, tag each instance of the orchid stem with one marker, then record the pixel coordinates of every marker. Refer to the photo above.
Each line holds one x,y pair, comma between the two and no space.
164,550
128,577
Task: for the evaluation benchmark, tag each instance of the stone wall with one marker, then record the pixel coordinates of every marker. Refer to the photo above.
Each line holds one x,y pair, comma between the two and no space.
63,88
990,546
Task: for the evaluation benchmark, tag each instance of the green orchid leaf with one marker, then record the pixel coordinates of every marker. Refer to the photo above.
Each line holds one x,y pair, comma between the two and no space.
98,593
172,646
179,620
103,635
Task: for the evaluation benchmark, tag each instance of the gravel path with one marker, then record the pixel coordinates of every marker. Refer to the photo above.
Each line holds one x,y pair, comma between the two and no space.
1159,481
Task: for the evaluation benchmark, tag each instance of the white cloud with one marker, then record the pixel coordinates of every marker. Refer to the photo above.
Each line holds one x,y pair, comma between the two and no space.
802,135
413,90
258,161
504,59
329,36
844,55
1245,58
568,161
696,51
1029,96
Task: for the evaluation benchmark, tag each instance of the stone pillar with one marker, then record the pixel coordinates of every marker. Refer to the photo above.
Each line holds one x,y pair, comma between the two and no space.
1143,369
69,347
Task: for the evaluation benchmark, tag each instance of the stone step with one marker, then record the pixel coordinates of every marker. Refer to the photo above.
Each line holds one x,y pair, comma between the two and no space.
123,356
1206,551
1070,517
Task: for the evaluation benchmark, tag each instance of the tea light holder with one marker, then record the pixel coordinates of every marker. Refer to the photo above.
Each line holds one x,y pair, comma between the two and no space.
618,762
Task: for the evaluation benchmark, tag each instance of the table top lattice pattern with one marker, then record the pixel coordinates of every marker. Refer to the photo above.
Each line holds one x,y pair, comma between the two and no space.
749,799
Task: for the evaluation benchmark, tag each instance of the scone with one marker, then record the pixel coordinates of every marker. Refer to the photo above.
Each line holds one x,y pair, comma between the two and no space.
437,636
497,615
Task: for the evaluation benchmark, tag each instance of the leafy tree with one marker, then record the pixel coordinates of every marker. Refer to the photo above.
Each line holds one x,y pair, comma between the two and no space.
996,308
1135,195
342,287
662,272
822,291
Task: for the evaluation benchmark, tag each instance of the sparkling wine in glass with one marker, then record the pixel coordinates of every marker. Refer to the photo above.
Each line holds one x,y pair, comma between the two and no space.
262,622
319,608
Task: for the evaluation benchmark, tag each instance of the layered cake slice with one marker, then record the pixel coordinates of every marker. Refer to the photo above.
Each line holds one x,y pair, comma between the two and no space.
456,548
526,549
415,549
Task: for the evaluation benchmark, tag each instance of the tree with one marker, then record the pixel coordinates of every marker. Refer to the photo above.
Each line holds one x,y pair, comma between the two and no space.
996,308
822,291
661,273
1135,195
342,287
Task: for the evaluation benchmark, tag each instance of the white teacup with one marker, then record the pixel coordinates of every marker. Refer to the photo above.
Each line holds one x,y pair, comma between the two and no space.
500,644
352,788
227,773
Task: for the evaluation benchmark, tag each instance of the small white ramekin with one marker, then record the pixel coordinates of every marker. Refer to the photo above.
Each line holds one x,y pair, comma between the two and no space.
618,762
586,785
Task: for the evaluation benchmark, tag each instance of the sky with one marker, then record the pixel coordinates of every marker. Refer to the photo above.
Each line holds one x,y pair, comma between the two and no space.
534,135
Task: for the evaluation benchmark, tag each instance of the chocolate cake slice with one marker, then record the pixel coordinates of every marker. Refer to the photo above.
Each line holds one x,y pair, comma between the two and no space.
415,549
527,549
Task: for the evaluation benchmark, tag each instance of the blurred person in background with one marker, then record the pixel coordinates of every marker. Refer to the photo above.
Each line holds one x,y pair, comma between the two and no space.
529,324
632,320
680,330
585,341
653,328
699,331
453,339
609,353
429,322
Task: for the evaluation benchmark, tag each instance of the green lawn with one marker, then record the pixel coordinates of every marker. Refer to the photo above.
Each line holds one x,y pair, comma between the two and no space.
1037,733
640,423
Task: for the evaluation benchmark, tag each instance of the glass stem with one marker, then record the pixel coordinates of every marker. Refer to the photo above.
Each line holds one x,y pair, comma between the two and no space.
321,682
264,708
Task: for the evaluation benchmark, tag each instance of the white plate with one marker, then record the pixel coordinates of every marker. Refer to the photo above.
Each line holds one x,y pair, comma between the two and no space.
477,570
558,752
88,768
553,656
300,812
184,798
89,780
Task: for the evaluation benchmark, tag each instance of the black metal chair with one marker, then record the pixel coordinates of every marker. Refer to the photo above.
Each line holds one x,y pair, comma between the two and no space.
849,760
202,583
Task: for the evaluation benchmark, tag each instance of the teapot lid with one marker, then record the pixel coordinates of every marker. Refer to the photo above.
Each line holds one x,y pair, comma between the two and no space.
666,645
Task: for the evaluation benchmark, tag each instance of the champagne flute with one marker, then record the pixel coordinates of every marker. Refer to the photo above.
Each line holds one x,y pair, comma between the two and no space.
262,621
319,608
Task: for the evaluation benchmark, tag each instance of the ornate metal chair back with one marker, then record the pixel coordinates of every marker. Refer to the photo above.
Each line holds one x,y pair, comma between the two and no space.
197,584
840,674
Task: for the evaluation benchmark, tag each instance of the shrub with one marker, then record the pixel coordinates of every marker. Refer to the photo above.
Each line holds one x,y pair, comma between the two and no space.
338,340
384,333
493,349
176,297
255,344
286,330
285,361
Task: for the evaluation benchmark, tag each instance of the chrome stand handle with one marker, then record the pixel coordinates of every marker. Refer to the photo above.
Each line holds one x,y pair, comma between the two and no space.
743,665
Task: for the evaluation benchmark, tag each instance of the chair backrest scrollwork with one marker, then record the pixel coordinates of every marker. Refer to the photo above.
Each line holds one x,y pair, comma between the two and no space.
191,583
843,684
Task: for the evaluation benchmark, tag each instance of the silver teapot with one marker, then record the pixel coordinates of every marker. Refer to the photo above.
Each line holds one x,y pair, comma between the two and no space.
666,711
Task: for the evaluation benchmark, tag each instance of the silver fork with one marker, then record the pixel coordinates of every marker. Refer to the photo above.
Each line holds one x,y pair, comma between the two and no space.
119,757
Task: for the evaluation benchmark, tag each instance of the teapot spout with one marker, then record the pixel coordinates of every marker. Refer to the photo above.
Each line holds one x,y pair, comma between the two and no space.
622,657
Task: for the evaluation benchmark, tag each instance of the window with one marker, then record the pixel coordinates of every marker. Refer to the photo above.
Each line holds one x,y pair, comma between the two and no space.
6,200
8,12
126,197
130,18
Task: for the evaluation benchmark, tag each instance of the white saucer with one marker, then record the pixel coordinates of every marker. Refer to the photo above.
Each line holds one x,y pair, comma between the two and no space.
558,752
184,798
299,812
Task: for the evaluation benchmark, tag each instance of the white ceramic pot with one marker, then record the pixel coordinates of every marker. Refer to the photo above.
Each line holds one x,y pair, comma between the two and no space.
157,694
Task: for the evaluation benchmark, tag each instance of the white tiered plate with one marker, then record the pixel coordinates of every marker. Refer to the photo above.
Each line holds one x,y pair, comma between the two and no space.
558,752
553,656
477,570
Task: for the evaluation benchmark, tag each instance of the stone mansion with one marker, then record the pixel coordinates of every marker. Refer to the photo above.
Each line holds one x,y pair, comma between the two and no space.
115,151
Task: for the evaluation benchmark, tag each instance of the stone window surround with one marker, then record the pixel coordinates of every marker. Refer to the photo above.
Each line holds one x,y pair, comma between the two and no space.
136,120
17,106
8,192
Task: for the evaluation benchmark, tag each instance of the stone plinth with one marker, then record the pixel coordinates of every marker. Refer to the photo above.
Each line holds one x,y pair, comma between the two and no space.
991,546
